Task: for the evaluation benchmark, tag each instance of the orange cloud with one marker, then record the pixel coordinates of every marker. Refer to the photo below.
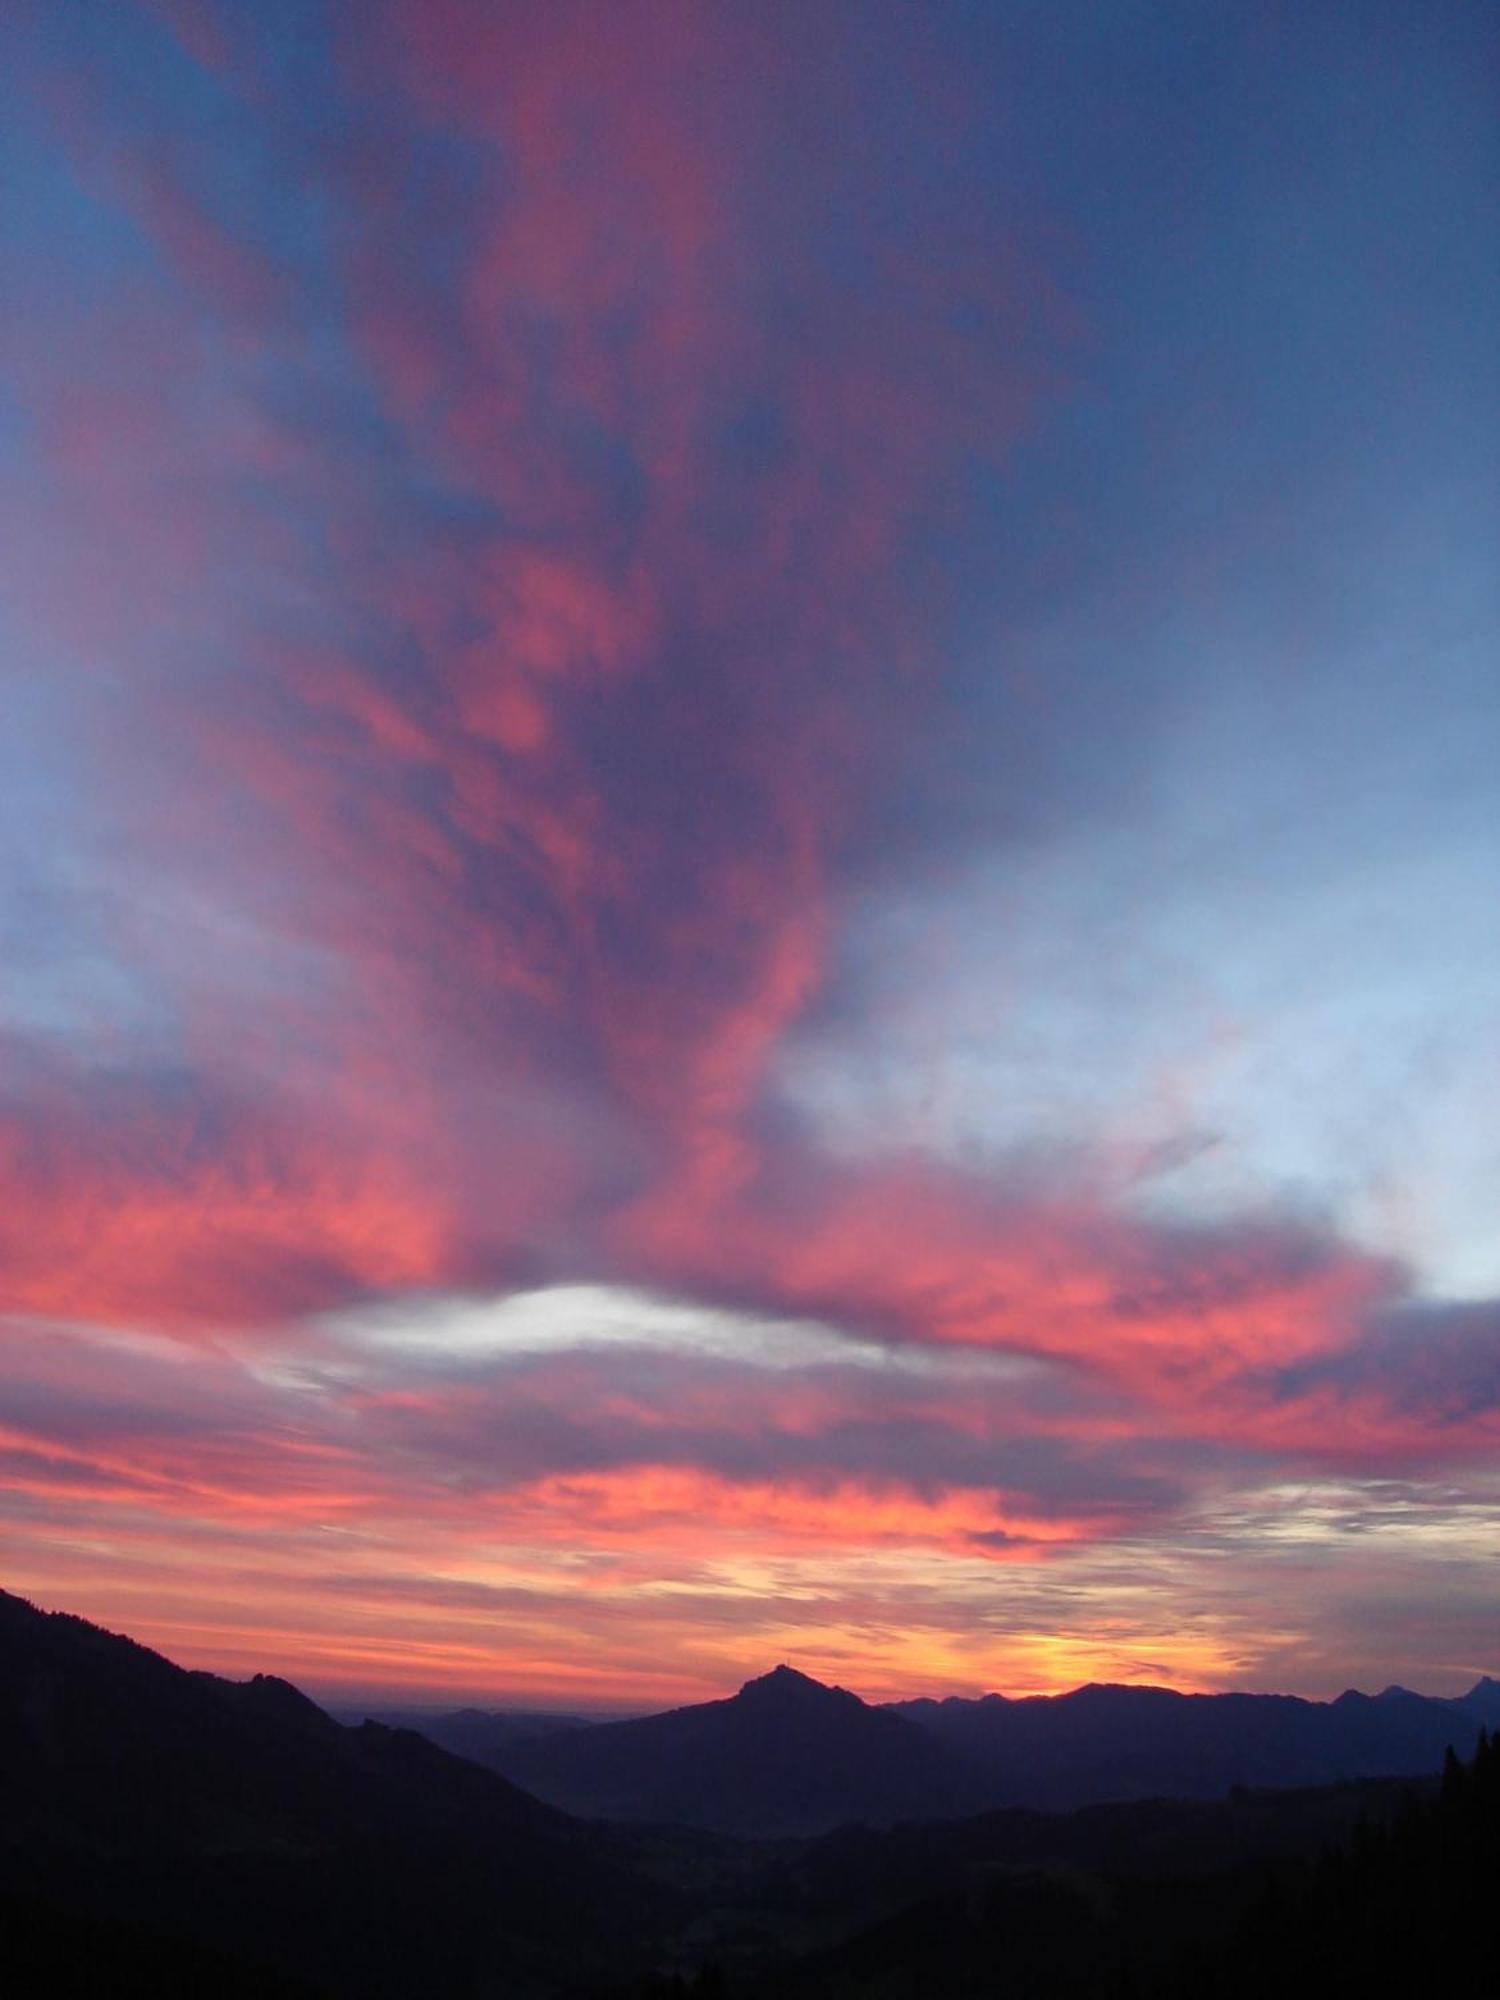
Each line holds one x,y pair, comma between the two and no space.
147,1215
657,1504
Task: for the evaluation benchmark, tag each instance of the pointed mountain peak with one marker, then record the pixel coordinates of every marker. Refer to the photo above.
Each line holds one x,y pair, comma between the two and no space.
1483,1699
784,1685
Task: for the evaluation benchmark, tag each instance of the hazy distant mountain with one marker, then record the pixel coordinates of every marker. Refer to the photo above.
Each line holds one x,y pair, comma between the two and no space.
785,1755
1102,1743
476,1733
136,1793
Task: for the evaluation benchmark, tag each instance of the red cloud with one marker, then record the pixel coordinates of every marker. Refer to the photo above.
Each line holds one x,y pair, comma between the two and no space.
1183,1317
152,1217
502,534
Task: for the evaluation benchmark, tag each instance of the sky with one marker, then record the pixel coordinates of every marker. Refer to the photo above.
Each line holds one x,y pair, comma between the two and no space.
748,837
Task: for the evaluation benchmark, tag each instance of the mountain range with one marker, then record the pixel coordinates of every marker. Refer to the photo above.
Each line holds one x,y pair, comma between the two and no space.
171,1834
788,1755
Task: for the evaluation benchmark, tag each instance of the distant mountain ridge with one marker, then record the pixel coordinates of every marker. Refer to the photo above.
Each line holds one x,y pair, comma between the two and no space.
1109,1742
790,1755
475,1733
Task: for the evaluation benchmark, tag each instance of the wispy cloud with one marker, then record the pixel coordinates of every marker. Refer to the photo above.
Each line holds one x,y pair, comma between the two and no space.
745,829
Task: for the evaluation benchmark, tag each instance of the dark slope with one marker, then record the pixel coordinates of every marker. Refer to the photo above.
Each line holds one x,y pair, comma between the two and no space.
1378,1891
1101,1743
786,1755
243,1818
47,1949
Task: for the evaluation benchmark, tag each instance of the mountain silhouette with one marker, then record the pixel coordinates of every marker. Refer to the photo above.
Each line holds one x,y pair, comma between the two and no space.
790,1755
786,1755
133,1792
1102,1743
172,1834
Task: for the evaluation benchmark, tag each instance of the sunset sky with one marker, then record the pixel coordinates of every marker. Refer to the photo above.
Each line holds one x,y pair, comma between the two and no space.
749,840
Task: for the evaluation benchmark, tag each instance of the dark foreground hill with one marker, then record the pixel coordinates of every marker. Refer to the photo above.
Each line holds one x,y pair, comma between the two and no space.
242,1821
1230,1901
